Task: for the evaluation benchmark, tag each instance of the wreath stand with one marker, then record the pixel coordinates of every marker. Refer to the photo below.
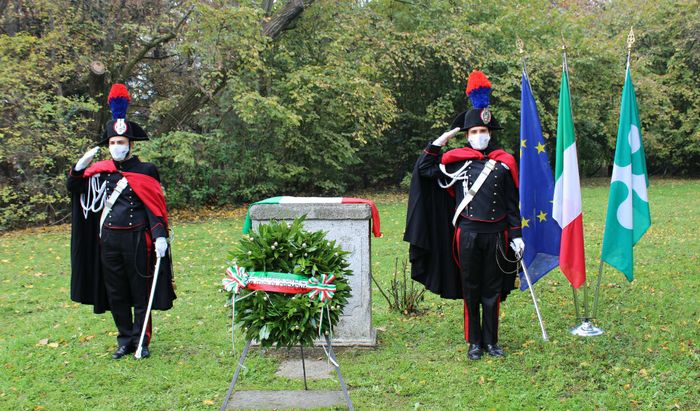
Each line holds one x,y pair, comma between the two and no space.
329,353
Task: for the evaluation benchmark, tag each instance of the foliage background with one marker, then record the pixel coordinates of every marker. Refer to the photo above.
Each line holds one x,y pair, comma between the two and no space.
249,99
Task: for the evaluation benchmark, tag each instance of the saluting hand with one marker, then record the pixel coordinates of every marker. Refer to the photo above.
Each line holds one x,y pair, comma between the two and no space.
445,137
86,159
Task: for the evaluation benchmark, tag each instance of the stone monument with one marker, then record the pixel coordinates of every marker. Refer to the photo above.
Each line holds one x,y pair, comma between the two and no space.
349,226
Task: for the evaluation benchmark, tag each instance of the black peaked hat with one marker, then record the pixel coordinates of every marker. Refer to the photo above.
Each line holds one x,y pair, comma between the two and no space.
118,100
478,91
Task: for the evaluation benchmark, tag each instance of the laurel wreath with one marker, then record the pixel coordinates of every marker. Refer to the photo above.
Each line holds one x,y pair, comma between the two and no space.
289,319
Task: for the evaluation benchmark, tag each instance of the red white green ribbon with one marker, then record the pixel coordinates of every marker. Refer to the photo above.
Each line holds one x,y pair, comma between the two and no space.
248,224
323,289
237,278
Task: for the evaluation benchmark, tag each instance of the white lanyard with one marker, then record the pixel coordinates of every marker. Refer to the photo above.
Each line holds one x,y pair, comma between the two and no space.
469,195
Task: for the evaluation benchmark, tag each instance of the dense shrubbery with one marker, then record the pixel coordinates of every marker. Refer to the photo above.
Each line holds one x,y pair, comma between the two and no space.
243,104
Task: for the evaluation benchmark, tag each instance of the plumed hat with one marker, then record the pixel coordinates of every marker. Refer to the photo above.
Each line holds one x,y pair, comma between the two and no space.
478,91
118,101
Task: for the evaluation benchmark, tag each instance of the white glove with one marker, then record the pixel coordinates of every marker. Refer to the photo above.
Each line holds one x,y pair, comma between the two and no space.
86,159
518,245
161,246
445,137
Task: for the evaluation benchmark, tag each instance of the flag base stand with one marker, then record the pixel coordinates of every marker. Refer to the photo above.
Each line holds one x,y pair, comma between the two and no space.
586,329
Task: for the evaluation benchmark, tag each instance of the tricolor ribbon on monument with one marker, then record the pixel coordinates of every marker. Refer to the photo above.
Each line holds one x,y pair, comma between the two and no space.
237,278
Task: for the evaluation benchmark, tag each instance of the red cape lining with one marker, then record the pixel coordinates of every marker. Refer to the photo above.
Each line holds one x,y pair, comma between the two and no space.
466,153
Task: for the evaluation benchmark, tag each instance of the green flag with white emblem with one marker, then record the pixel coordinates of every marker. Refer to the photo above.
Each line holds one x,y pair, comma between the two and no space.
628,205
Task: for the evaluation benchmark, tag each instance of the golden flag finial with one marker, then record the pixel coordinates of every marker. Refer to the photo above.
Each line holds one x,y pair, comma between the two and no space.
630,39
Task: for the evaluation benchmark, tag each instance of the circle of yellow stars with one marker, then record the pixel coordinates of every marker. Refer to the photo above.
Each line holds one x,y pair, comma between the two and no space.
542,216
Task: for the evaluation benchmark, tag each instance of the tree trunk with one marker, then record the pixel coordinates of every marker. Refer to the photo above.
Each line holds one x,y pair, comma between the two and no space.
283,18
97,85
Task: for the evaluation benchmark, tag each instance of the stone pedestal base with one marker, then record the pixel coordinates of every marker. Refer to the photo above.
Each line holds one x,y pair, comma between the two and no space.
282,400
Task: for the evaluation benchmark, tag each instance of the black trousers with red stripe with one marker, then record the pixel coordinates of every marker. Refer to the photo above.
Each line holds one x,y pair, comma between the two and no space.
127,280
482,280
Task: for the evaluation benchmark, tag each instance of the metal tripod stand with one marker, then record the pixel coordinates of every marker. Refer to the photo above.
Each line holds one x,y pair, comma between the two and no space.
329,353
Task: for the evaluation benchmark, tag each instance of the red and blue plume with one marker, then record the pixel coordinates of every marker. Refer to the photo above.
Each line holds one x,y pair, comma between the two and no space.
118,100
478,89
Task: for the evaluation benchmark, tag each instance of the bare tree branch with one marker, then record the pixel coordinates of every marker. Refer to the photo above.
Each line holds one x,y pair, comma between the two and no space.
126,72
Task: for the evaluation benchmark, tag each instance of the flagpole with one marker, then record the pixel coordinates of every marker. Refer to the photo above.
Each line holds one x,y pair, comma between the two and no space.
630,42
597,290
521,50
565,68
578,314
585,329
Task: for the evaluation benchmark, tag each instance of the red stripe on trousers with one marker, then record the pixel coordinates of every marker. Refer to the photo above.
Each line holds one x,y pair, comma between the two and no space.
455,246
466,322
149,243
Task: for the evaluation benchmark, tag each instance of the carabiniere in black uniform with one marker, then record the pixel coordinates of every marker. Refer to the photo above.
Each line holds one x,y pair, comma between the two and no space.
483,231
461,250
125,256
114,250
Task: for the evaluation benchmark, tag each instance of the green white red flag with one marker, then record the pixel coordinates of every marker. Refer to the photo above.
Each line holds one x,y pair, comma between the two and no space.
247,225
567,209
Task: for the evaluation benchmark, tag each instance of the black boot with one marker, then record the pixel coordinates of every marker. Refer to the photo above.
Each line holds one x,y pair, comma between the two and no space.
145,353
494,350
475,352
121,351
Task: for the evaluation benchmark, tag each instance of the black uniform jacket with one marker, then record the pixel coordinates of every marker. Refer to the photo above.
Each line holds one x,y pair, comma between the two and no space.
430,233
87,282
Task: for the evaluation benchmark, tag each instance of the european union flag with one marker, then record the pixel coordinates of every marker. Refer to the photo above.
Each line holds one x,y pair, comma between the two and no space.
541,233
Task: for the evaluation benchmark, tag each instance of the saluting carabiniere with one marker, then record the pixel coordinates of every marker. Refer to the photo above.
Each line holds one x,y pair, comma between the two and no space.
119,228
462,215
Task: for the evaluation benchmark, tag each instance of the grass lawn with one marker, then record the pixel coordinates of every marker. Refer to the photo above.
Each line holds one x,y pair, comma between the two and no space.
55,354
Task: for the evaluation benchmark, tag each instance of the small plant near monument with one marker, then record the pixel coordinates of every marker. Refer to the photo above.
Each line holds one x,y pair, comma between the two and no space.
403,294
291,284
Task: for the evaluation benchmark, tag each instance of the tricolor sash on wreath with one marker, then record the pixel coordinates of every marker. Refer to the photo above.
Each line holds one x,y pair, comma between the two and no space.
237,278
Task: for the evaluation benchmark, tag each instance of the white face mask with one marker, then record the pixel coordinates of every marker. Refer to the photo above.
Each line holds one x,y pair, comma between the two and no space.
119,151
479,141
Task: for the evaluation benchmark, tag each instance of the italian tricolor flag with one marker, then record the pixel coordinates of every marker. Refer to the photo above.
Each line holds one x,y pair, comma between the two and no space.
319,200
567,192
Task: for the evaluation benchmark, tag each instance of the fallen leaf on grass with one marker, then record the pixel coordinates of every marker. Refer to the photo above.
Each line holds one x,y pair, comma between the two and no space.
53,345
482,380
84,338
208,402
43,341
